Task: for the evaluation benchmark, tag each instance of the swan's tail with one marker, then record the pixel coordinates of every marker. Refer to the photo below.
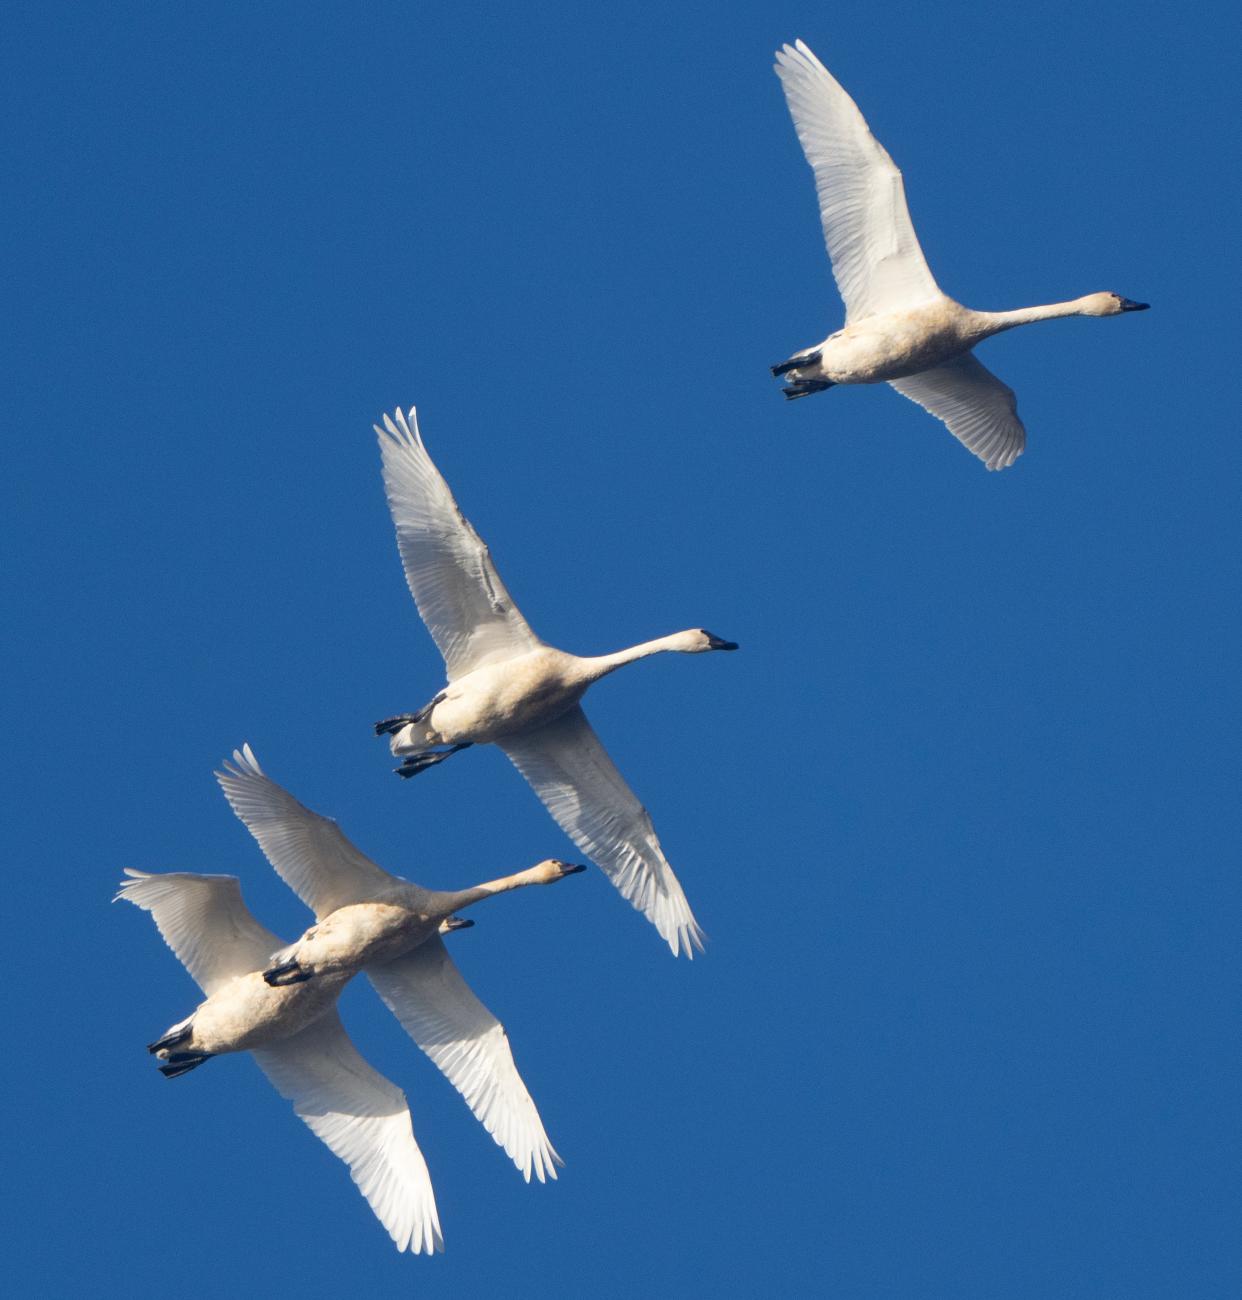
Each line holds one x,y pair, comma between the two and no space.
174,1063
407,735
397,724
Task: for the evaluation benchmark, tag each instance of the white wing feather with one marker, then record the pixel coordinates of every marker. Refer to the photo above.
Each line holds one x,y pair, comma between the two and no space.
309,852
204,921
876,258
459,593
580,786
362,1118
979,410
428,995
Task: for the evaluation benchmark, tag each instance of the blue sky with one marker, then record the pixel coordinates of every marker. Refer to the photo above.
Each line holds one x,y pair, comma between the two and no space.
960,819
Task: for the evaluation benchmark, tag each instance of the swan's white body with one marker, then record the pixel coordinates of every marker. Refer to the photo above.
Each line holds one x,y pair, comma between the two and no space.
507,687
368,919
248,1012
500,700
900,327
298,1041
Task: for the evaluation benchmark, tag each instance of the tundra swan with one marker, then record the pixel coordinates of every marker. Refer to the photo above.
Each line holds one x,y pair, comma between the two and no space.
899,327
506,687
368,919
297,1038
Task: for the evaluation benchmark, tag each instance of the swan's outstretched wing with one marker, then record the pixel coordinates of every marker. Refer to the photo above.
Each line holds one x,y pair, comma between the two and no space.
310,852
363,1119
581,787
450,573
204,921
426,992
876,258
977,407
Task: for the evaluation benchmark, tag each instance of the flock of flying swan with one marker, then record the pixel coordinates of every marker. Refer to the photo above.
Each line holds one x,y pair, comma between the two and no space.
504,686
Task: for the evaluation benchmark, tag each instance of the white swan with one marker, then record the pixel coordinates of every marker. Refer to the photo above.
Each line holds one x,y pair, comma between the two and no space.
370,920
507,687
297,1039
899,327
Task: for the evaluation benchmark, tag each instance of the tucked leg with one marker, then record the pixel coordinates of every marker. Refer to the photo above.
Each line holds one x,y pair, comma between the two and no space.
182,1062
805,359
417,763
171,1039
805,387
288,972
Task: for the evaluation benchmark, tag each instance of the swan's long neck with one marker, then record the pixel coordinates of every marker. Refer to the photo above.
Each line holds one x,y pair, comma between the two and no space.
597,666
460,898
996,321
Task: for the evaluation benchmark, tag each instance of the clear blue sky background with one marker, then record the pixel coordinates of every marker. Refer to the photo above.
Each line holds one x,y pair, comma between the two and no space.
961,817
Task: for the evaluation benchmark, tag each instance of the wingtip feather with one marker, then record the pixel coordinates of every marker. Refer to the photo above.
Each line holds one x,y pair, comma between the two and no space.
242,764
401,427
686,939
134,877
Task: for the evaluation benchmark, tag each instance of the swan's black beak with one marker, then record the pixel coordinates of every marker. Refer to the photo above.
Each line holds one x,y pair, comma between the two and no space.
715,643
572,869
1128,304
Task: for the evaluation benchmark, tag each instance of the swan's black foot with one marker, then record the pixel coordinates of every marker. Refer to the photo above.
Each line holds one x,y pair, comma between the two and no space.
182,1062
456,923
417,763
171,1039
391,725
394,724
794,363
288,972
805,387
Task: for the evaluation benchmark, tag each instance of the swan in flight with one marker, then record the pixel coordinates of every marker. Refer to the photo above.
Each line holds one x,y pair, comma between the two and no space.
297,1038
506,687
899,327
370,920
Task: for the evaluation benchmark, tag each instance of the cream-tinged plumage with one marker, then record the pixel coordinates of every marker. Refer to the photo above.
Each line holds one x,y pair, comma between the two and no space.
368,919
508,688
899,326
279,1003
297,1038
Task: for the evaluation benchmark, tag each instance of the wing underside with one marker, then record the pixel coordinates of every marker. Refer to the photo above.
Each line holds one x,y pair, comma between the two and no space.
978,409
364,1120
448,567
310,852
204,921
437,1008
876,257
580,786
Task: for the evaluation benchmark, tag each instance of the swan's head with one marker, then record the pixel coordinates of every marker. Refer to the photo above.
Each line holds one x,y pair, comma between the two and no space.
698,640
551,870
1110,304
451,923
